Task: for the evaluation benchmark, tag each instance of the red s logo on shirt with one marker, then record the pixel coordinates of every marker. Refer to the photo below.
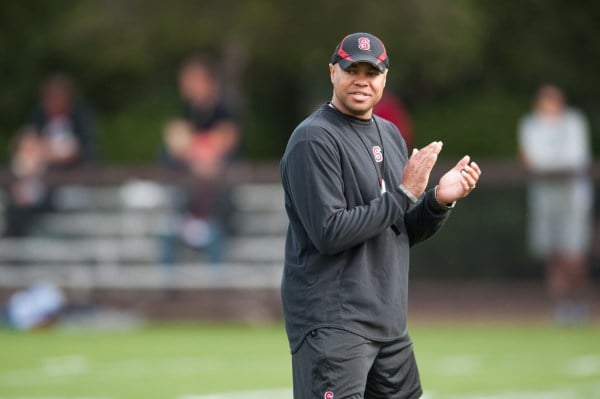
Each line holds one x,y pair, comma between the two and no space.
377,153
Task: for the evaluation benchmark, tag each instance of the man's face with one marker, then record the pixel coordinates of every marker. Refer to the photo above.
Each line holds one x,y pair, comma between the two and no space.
357,89
550,105
197,86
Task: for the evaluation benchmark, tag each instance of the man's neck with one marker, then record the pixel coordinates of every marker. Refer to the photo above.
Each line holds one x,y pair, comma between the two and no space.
361,118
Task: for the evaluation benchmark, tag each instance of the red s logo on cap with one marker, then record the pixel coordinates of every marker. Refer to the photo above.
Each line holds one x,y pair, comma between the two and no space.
364,43
328,395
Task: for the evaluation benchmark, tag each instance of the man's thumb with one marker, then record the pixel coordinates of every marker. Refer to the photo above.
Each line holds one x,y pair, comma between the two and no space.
462,163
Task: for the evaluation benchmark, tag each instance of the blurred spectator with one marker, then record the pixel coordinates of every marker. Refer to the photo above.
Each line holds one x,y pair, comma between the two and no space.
204,143
27,192
58,136
390,107
555,149
64,124
216,131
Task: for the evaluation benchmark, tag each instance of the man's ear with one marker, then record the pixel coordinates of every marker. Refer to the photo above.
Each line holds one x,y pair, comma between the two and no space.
331,72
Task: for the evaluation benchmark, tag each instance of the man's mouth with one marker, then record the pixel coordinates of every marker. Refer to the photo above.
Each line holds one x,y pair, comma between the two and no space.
360,95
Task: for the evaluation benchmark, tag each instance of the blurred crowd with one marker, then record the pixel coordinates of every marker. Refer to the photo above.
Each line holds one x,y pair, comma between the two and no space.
202,142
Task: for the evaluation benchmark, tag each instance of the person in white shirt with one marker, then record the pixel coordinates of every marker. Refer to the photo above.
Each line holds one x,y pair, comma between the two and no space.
555,149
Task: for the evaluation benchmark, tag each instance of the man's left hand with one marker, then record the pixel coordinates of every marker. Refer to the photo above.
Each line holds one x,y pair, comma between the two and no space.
459,181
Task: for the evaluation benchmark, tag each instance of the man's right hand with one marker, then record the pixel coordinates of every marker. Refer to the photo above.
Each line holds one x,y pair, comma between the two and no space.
419,166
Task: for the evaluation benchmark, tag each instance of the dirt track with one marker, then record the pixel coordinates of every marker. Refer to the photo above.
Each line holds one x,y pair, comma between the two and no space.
429,302
485,301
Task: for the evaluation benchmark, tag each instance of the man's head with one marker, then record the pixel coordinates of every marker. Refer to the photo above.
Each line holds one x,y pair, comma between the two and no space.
57,94
358,72
198,80
549,100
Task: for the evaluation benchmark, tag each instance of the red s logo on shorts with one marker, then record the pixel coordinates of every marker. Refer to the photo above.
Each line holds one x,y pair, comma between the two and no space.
328,395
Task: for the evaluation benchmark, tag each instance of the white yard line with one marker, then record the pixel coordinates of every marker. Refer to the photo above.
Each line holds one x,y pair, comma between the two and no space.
54,397
62,369
583,391
583,366
576,391
459,365
262,394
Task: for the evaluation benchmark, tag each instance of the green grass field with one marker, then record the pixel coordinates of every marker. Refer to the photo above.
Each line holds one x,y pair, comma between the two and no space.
201,361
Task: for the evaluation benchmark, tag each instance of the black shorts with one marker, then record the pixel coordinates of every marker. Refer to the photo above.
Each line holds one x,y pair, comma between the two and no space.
333,363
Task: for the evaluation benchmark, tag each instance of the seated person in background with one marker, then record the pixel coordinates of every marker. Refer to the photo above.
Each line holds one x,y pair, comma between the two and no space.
58,136
64,124
216,131
204,143
27,192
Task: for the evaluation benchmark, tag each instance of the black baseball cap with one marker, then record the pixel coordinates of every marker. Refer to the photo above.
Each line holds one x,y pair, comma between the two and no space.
361,47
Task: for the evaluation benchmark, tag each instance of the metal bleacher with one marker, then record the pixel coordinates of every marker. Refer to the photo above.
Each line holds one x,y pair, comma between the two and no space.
104,230
108,236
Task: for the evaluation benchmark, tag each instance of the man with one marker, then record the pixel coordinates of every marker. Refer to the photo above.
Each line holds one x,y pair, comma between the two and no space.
555,148
204,143
356,202
216,131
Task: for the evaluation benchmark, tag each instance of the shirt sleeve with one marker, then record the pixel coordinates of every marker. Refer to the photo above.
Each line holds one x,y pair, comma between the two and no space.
313,179
425,218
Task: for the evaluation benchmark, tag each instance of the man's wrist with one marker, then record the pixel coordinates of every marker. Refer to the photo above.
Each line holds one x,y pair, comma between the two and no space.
444,205
411,197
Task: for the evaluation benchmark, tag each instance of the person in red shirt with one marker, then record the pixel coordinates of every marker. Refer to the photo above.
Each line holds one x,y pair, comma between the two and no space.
390,107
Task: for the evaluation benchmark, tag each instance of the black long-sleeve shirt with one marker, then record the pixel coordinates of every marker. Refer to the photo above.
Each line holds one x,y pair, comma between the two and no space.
347,246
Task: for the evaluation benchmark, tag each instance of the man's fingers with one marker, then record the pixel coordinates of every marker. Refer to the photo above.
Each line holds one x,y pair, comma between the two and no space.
472,170
462,163
470,176
436,146
431,150
465,185
471,180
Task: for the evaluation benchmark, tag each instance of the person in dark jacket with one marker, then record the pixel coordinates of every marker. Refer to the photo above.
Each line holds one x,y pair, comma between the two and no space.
58,136
64,123
356,203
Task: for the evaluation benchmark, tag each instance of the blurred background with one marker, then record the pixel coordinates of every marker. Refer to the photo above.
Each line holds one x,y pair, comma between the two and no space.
140,143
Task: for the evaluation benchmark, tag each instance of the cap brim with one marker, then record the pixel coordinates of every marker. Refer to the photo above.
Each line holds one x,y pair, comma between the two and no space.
346,63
